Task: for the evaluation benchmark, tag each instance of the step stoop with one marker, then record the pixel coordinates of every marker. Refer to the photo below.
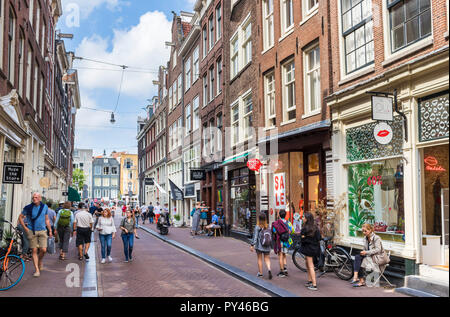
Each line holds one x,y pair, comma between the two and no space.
420,286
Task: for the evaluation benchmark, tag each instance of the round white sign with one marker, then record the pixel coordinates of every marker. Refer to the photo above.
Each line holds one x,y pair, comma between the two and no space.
383,133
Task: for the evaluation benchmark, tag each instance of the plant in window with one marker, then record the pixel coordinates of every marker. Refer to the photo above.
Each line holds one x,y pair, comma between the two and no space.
360,196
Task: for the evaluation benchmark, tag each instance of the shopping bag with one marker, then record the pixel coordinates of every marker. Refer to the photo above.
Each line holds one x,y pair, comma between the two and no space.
51,248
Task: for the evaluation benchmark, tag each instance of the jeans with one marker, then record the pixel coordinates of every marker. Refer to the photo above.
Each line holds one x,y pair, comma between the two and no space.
128,242
106,242
150,218
64,238
137,219
25,241
357,265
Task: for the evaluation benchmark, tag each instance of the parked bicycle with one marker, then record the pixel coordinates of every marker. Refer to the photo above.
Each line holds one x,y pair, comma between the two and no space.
12,267
334,258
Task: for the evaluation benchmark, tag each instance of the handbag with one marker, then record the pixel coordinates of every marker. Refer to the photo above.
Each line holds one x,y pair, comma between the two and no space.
382,258
51,248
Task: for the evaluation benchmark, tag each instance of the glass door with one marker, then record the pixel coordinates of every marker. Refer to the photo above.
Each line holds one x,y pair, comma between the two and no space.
7,190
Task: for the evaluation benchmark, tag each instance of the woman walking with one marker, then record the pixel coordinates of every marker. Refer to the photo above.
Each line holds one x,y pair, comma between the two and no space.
195,214
310,247
261,243
137,215
370,259
128,227
107,232
64,227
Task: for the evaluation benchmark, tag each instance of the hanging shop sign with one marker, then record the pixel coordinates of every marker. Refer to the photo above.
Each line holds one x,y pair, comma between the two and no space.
198,175
279,183
383,133
254,165
149,182
13,173
177,193
189,190
382,108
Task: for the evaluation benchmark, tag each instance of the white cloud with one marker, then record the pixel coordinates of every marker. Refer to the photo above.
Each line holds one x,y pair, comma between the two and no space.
141,46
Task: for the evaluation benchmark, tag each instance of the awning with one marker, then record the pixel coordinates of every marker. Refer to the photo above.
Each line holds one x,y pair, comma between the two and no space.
237,157
177,193
162,190
74,195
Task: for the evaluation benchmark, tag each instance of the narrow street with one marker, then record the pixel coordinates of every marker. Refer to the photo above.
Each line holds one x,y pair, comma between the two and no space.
161,270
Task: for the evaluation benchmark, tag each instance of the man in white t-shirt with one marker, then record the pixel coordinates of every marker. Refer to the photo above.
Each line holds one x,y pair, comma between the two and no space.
157,211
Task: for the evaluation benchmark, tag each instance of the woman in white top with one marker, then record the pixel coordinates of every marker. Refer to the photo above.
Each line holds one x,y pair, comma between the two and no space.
107,232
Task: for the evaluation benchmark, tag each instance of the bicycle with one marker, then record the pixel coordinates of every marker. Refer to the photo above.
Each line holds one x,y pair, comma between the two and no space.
334,258
12,267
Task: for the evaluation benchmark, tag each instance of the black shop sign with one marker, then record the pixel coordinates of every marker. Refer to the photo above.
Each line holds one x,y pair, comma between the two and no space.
13,173
149,181
198,175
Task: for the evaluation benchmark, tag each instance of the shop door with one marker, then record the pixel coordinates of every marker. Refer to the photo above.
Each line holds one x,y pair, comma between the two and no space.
7,190
312,180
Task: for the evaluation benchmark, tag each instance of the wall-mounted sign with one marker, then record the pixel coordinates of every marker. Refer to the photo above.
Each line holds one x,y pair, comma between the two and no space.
189,190
198,175
279,183
382,108
149,182
383,133
13,173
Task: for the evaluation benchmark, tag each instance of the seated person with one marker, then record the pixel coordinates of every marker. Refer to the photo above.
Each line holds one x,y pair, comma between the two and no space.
214,223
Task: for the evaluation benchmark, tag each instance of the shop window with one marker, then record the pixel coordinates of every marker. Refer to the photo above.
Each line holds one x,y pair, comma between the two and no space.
376,196
313,163
433,117
361,143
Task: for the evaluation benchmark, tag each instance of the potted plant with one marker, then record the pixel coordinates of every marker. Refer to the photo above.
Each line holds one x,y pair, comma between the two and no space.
177,221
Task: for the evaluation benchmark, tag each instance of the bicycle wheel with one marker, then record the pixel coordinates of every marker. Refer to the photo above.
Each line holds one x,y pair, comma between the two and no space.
342,263
13,274
299,260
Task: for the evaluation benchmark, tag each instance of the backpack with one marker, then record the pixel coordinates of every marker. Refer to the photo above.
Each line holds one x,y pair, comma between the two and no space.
284,235
64,218
265,237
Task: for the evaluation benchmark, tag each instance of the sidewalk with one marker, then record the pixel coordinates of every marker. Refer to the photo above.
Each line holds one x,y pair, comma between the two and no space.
237,253
52,282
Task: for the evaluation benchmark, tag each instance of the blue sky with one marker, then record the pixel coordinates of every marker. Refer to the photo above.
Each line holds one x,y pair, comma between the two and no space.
121,32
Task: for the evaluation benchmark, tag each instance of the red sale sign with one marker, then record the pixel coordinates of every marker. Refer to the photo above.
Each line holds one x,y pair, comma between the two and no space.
279,183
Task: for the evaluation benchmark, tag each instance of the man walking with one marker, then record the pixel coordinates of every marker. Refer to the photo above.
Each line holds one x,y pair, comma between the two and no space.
83,225
157,212
151,213
37,224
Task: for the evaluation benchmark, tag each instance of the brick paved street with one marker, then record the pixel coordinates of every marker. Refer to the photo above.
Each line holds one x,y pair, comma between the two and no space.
52,282
160,270
237,253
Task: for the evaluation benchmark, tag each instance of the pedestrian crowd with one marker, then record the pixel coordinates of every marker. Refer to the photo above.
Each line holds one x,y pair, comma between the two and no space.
40,226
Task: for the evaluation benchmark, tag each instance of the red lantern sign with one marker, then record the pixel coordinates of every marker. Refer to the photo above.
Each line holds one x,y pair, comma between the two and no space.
254,165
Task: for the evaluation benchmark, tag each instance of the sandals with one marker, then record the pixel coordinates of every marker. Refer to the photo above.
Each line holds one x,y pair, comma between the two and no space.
359,285
81,258
62,258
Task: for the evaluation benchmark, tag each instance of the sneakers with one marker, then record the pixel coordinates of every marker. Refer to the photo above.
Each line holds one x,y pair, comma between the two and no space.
36,274
308,284
110,259
312,288
281,274
270,275
131,259
126,261
103,261
259,275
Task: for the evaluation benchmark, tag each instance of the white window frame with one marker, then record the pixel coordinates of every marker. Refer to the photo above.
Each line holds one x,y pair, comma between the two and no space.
234,55
196,68
170,98
240,122
270,98
219,132
11,46
307,13
2,27
219,79
205,40
284,28
235,123
218,22
179,90
196,110
211,32
309,75
246,43
21,60
35,90
188,74
211,84
205,90
188,121
285,90
268,25
245,116
29,72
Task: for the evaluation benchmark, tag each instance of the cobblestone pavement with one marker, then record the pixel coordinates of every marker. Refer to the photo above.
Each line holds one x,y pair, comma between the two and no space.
52,282
160,270
237,253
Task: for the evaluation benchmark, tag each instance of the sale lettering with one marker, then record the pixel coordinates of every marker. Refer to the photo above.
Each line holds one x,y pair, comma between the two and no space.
280,191
374,180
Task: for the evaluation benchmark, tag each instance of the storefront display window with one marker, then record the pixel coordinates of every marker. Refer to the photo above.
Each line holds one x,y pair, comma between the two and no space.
436,178
7,190
243,199
376,196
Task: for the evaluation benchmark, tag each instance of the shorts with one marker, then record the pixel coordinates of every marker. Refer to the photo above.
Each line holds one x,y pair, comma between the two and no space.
83,236
37,240
284,250
261,252
203,222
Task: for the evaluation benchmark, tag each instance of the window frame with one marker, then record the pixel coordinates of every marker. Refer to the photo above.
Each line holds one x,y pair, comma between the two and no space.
268,25
284,28
270,95
308,111
285,90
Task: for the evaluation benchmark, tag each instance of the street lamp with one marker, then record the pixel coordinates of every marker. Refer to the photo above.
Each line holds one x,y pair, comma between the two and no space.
113,120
